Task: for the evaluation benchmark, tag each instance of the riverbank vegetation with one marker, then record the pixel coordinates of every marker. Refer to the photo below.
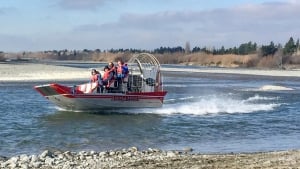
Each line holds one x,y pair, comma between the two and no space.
246,55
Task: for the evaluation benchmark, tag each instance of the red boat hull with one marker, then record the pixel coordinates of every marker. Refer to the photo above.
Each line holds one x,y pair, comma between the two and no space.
70,98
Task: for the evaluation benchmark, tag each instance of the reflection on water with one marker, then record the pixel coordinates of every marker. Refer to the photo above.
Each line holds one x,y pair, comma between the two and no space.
100,131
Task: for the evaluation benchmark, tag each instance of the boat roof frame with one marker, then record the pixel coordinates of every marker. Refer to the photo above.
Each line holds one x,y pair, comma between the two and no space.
144,60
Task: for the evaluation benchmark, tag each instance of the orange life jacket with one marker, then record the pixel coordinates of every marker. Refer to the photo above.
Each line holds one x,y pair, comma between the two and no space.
94,78
113,69
120,70
106,75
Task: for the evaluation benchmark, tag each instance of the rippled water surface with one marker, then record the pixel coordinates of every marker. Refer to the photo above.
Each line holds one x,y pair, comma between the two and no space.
211,113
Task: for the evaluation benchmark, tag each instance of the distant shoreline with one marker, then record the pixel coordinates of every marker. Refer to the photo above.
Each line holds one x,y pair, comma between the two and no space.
14,72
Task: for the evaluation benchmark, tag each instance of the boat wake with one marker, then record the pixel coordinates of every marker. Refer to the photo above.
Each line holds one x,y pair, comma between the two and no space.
208,105
218,105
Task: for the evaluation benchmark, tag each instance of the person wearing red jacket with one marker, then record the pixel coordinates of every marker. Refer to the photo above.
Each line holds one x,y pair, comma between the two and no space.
108,78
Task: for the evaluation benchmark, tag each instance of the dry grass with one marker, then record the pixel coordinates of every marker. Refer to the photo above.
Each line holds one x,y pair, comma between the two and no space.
111,57
295,59
229,60
2,57
268,61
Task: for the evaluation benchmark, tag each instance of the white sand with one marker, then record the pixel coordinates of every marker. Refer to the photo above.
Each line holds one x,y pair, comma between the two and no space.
44,72
274,88
40,72
286,73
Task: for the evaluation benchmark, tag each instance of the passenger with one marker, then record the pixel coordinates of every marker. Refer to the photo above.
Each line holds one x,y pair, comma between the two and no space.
96,77
126,70
112,68
108,78
122,70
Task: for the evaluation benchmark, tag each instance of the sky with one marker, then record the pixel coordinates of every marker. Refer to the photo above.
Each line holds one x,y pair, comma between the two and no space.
39,25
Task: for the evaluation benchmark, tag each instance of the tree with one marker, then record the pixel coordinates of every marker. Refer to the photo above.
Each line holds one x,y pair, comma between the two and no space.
2,58
196,49
86,50
269,49
297,46
187,47
290,47
222,50
247,48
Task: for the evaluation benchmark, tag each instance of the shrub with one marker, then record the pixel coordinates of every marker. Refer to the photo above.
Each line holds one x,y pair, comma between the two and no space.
267,62
2,58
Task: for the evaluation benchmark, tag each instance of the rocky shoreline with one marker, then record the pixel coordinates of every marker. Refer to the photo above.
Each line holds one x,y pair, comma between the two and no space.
151,158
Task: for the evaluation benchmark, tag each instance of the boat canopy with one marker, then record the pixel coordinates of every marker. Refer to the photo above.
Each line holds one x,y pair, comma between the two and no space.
144,60
144,73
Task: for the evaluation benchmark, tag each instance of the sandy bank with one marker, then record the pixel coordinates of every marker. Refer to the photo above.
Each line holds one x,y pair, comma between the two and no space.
45,72
41,72
274,88
285,73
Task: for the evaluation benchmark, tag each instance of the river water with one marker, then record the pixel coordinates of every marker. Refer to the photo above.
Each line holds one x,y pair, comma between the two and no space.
211,113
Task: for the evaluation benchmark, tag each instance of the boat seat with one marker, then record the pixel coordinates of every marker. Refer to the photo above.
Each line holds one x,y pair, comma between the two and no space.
116,86
124,85
125,79
112,85
87,87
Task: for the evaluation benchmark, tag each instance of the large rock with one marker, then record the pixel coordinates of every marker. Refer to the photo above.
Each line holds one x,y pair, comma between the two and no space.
49,161
45,154
24,158
34,158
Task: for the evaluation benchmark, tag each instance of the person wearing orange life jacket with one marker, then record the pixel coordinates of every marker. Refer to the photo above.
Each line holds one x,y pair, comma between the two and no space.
107,76
122,69
112,68
96,77
122,72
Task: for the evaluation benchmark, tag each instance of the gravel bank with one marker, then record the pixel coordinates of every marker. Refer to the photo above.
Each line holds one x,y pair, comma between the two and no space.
152,158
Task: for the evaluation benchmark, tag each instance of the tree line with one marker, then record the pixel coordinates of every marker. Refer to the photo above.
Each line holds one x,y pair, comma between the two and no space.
250,54
290,47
